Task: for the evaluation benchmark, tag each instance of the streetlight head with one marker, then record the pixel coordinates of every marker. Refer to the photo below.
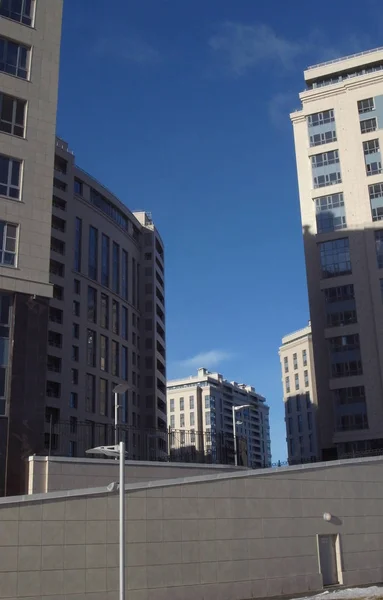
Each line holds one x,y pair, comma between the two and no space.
120,388
242,406
105,450
113,487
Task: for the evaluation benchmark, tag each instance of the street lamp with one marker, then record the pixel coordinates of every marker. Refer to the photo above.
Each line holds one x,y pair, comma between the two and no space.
119,389
115,452
234,410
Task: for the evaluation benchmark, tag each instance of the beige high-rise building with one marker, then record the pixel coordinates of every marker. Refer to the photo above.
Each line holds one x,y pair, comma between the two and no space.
299,395
338,134
200,420
30,34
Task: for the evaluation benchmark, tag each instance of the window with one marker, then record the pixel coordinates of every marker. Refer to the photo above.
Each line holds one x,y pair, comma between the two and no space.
172,421
295,361
72,448
308,400
53,389
124,363
12,114
371,147
91,348
77,245
78,187
374,168
191,419
18,10
343,317
124,274
92,304
330,214
76,286
93,253
60,165
191,402
55,339
76,308
347,368
350,395
115,317
290,426
8,244
335,258
291,447
182,404
352,422
339,293
309,421
105,261
325,158
368,125
116,268
287,384
103,397
327,179
182,420
172,405
75,330
90,393
75,353
104,353
14,58
56,268
207,401
324,137
207,418
73,400
73,425
304,357
299,421
306,376
366,105
54,364
10,177
58,224
286,364
124,322
296,379
379,247
58,203
321,118
298,402
104,318
74,376
344,343
55,315
60,185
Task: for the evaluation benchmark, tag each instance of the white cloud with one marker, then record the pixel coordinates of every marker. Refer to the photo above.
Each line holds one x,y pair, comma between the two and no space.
246,46
128,48
206,359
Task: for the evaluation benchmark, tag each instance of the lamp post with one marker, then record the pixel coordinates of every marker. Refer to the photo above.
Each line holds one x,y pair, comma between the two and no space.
119,389
234,410
115,452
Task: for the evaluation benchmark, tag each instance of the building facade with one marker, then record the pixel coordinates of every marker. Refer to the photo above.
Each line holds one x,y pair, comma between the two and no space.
30,34
338,134
106,318
200,419
299,395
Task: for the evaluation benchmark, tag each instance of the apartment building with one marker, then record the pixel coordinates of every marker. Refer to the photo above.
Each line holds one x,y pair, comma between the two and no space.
299,395
338,134
200,419
30,34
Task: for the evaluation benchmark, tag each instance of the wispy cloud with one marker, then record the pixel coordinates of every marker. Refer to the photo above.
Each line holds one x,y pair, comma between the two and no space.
127,48
244,47
208,359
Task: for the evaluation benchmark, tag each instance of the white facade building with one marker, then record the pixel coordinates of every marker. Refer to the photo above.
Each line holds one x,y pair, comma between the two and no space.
200,417
338,137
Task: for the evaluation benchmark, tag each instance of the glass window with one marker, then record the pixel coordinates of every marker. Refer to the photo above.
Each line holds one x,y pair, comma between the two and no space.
191,419
104,353
74,376
12,114
90,398
103,397
207,418
347,368
14,58
298,402
8,244
105,261
115,317
191,402
304,357
78,187
299,421
325,158
306,376
366,105
172,421
344,343
321,118
379,247
335,258
115,358
93,253
77,244
76,308
76,286
73,400
124,363
104,318
295,361
75,330
91,348
207,401
182,404
286,364
172,405
124,274
182,420
287,384
124,322
21,11
92,304
75,353
10,177
368,125
309,421
296,379
116,268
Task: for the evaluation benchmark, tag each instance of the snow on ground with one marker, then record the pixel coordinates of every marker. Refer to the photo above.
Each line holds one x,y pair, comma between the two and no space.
349,594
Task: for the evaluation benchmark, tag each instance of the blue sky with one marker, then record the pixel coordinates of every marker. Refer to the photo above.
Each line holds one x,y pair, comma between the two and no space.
181,108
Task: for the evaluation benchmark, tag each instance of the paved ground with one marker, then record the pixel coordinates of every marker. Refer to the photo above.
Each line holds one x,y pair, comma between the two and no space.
374,592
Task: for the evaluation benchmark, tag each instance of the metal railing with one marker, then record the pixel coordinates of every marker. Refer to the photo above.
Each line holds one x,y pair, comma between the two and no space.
336,60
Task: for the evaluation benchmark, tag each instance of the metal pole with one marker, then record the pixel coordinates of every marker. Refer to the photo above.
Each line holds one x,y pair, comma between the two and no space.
122,521
115,418
234,438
